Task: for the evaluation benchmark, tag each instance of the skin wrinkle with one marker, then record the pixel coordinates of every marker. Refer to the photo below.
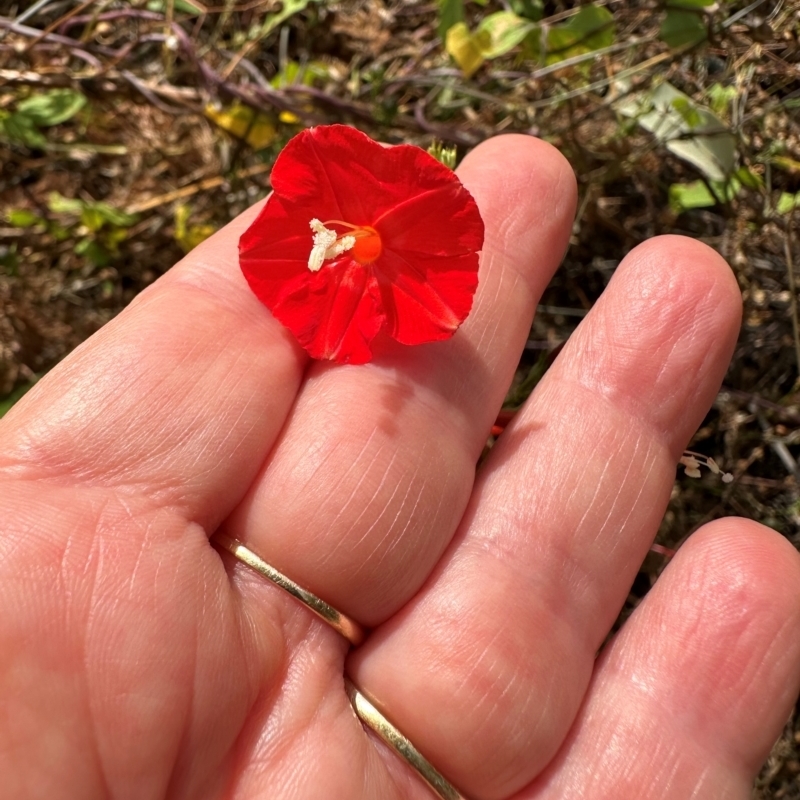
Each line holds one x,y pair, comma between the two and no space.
622,524
91,708
397,541
488,332
375,500
389,534
215,287
66,466
353,496
298,703
318,473
81,690
696,307
665,701
513,221
185,734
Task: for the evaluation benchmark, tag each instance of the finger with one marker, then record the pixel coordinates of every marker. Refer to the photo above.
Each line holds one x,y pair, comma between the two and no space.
375,465
690,696
178,399
485,669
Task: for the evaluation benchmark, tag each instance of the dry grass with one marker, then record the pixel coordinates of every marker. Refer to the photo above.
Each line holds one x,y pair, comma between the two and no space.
145,143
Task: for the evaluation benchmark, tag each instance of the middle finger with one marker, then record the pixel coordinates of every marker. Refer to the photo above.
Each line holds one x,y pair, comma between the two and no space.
375,464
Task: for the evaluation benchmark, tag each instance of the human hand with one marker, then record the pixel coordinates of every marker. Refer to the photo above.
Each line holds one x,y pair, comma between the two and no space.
137,661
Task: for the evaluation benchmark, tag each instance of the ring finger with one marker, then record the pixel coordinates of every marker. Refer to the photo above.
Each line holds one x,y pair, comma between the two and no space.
485,669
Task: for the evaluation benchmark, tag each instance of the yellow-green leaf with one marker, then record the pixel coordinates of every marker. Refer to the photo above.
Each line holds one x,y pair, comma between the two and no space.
51,108
22,218
787,202
465,49
786,164
685,196
59,204
257,129
189,236
92,218
505,31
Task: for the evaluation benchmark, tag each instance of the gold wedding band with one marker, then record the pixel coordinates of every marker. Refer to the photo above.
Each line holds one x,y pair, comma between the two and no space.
349,628
387,732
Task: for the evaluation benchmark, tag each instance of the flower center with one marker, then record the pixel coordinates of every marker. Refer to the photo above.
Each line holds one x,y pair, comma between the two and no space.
363,240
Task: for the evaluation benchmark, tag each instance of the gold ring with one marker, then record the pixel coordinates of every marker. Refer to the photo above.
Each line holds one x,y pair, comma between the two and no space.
387,732
349,628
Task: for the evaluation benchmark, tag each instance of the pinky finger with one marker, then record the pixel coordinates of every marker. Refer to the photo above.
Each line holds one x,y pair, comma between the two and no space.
688,699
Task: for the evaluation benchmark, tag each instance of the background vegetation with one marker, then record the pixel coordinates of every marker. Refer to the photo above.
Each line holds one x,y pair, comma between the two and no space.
130,131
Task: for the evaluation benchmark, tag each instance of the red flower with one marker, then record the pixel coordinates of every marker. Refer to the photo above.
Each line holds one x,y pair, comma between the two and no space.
356,237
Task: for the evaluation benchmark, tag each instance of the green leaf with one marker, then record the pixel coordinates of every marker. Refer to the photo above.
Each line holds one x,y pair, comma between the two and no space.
181,6
94,253
699,137
257,129
592,28
682,29
505,31
113,237
290,8
720,98
692,5
787,202
59,232
687,109
92,218
59,204
451,12
686,196
786,164
22,130
748,178
530,9
9,259
22,218
52,108
114,216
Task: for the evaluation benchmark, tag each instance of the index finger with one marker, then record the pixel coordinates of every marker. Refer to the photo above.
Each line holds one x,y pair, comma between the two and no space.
178,398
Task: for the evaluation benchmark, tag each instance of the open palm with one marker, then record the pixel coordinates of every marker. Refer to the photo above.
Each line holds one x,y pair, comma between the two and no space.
137,661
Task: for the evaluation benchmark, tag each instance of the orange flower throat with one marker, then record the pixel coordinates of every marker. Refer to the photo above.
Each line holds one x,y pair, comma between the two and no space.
363,241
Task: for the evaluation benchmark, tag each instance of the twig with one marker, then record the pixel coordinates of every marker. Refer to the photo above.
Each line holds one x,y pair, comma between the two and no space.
601,84
787,246
777,444
72,44
57,24
194,188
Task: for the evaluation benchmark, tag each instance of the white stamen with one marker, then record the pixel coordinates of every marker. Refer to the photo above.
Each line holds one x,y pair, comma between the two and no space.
326,245
693,461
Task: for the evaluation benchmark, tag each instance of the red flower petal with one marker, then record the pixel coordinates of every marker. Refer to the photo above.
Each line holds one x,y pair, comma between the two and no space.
420,286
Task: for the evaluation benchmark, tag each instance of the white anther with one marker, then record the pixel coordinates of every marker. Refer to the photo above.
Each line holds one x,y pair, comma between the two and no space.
326,245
